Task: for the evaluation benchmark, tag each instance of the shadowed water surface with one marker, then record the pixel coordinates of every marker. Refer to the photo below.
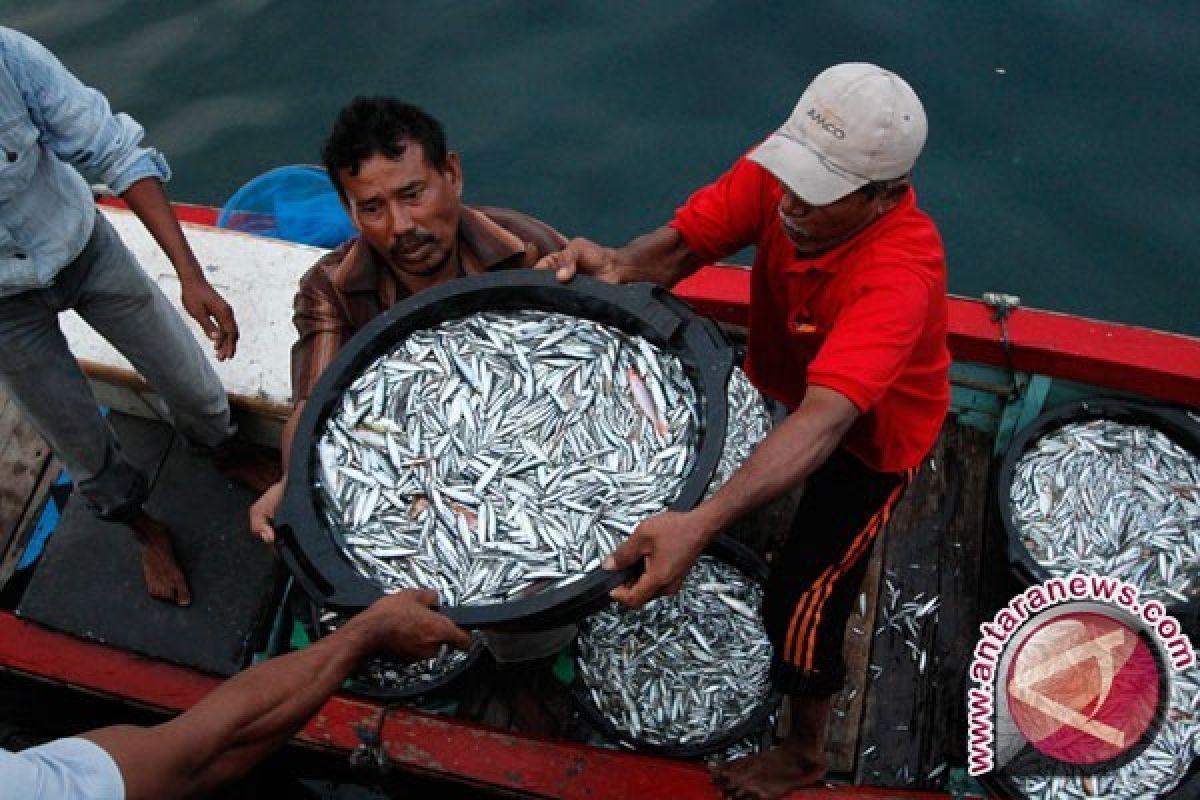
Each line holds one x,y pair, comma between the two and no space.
1060,164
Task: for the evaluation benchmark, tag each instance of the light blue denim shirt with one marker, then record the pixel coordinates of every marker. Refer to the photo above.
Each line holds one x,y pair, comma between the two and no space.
51,125
64,769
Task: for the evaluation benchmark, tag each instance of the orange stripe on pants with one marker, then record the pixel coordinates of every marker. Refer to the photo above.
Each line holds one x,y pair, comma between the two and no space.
800,644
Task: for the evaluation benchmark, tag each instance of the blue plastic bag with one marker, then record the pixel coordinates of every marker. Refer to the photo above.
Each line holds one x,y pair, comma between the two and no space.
294,203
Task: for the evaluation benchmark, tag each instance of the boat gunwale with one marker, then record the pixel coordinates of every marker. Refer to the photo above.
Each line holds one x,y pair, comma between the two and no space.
1160,365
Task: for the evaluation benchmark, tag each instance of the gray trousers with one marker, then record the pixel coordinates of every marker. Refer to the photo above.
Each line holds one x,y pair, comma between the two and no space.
110,291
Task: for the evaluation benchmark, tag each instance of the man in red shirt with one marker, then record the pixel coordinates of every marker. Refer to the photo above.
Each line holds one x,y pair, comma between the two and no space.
848,329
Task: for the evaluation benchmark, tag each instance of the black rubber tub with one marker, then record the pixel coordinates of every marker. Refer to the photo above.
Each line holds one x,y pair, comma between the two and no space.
312,552
732,552
1174,422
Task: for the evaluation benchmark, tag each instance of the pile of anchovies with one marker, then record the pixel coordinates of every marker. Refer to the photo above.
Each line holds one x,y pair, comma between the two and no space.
684,669
501,453
748,424
397,675
1155,772
1113,499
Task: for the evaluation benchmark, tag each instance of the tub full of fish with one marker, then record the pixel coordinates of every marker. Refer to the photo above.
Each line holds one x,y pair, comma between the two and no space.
1109,487
495,438
751,417
687,675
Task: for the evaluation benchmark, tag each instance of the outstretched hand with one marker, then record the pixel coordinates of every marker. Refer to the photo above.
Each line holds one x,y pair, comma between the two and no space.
405,623
670,543
205,305
585,256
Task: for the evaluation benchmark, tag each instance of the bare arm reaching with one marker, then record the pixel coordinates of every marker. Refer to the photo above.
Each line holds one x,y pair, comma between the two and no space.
672,541
252,714
660,256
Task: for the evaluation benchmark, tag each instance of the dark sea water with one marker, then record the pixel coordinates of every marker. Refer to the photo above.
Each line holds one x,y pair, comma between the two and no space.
1061,165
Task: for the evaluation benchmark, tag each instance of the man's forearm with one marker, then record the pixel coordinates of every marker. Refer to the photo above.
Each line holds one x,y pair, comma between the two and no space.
268,702
783,460
289,433
661,256
237,724
147,199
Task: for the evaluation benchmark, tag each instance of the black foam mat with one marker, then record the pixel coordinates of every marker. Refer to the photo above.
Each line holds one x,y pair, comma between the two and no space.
89,580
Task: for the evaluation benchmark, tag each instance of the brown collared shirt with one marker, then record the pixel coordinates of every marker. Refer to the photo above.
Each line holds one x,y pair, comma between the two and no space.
349,287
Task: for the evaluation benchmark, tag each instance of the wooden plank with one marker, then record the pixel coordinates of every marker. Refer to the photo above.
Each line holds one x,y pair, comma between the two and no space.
913,715
123,377
841,744
8,418
253,425
10,556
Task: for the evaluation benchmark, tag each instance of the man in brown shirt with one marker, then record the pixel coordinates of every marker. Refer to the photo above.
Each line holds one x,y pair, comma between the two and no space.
403,190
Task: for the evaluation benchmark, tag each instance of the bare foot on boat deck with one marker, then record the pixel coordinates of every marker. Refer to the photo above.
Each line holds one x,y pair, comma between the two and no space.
768,776
164,577
797,762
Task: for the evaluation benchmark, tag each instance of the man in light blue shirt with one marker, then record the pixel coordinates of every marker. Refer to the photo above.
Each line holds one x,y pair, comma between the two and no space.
58,253
235,726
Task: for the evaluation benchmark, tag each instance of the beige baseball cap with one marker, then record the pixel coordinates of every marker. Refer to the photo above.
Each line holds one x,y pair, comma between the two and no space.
855,123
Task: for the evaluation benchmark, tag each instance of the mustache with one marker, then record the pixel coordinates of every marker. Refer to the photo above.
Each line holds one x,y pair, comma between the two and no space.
410,242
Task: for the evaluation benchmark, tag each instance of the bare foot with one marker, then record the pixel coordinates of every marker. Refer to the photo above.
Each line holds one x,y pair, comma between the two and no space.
769,775
797,762
164,577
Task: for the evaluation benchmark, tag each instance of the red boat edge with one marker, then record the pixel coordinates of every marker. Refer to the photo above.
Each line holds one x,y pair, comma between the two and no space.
415,741
1127,358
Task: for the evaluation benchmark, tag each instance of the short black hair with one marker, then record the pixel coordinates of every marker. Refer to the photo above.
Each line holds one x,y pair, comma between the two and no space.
370,126
891,186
